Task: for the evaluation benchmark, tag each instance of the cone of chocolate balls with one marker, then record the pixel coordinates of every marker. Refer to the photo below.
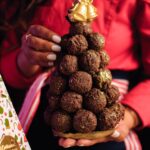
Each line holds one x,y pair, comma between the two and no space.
82,102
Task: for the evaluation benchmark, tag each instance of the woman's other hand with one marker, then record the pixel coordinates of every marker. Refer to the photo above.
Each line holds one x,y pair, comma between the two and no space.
40,47
130,121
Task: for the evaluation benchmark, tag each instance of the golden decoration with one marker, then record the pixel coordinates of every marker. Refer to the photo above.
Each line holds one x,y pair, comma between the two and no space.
103,78
8,143
83,11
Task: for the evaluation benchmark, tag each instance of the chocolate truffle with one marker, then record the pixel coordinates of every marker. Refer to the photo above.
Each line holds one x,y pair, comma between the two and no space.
71,101
112,94
80,28
110,117
68,64
57,85
80,82
77,44
47,115
95,41
90,61
102,79
53,102
60,121
95,100
84,121
104,57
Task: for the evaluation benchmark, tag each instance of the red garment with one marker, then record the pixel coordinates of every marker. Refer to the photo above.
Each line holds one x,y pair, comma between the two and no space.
115,22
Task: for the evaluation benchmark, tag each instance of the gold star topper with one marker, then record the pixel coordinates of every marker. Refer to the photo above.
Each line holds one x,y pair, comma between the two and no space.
82,11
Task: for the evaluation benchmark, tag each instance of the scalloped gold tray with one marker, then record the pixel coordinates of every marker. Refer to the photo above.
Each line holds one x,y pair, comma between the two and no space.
93,135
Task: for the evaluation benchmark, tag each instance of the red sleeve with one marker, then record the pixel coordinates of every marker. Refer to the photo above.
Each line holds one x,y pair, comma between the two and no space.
139,97
10,72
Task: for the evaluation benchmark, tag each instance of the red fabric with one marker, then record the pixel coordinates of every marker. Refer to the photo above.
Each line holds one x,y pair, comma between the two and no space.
14,76
115,22
138,99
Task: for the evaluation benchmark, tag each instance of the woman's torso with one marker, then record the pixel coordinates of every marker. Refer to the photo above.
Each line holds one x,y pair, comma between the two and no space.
114,21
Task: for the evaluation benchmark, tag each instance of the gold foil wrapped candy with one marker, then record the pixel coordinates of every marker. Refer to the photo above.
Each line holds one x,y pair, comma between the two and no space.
103,78
8,142
83,11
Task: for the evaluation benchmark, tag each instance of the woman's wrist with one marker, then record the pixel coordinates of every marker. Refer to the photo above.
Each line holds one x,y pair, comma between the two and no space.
26,68
133,117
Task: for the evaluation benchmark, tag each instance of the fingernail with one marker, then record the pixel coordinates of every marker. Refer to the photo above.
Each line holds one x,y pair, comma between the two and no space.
56,48
51,57
56,38
116,134
50,64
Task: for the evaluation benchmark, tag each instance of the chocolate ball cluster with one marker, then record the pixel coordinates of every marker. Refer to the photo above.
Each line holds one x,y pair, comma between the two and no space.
81,97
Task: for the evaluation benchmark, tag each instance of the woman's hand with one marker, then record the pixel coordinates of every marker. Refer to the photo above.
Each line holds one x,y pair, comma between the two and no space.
39,49
130,121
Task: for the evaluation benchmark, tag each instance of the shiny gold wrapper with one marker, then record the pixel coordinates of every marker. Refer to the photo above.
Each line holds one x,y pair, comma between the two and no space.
8,143
90,136
104,58
103,78
83,11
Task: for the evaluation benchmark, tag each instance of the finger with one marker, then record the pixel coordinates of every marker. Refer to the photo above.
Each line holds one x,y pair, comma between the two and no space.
61,141
42,32
39,58
41,44
66,143
85,142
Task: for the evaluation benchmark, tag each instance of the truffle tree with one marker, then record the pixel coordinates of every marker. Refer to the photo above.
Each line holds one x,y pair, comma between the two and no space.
81,98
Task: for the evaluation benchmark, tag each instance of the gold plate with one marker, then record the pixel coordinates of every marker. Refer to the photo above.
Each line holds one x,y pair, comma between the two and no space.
93,135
